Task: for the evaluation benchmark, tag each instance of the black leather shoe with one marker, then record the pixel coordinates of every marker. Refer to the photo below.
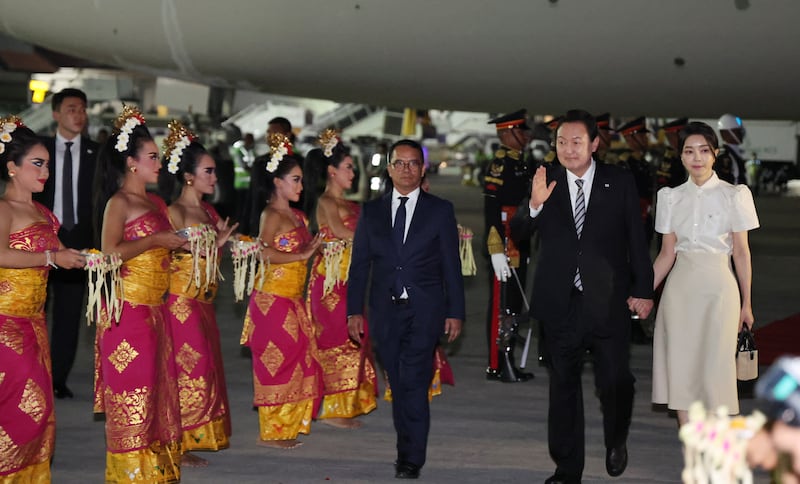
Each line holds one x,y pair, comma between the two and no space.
616,460
61,391
406,470
559,479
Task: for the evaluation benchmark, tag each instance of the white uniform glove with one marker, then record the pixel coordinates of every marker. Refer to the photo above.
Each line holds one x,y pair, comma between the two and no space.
500,266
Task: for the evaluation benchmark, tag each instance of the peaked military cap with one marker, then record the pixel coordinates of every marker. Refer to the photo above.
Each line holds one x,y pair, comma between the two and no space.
604,121
675,125
638,125
553,123
517,119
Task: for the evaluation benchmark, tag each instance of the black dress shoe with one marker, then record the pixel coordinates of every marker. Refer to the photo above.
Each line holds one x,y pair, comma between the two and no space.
61,391
406,470
560,479
616,460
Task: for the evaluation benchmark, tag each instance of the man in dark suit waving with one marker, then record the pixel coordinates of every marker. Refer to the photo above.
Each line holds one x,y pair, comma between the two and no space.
408,241
593,270
68,193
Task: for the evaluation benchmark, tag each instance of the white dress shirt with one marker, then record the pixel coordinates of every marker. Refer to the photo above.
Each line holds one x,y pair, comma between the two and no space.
58,194
703,218
411,204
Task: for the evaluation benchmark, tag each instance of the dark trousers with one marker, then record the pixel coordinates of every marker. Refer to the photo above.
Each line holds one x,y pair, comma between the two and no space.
406,352
514,299
67,290
567,342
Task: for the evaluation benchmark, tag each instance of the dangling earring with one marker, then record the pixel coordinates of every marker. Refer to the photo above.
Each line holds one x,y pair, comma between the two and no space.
189,182
132,169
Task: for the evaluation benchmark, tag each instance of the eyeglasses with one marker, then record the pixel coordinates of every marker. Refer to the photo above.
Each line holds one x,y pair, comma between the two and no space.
409,165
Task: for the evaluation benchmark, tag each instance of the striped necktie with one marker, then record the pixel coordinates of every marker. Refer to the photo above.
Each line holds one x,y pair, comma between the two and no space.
580,216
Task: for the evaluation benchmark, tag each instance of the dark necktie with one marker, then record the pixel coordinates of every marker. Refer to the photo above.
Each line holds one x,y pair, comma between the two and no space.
68,221
398,233
399,228
580,215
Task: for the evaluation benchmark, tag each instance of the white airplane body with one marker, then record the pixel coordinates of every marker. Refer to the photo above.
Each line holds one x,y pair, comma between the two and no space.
630,57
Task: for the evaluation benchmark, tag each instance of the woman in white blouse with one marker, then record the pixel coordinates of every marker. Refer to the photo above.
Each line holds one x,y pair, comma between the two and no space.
703,221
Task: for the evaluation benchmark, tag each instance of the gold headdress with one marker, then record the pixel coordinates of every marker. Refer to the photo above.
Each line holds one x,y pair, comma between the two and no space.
129,118
7,126
329,139
178,139
279,146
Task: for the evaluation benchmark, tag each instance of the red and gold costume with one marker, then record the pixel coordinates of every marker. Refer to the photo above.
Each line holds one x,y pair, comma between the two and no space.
205,417
135,379
27,422
287,380
348,372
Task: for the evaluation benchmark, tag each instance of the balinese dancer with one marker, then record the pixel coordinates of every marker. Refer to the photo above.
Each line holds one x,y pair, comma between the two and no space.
205,417
29,247
349,379
287,380
135,379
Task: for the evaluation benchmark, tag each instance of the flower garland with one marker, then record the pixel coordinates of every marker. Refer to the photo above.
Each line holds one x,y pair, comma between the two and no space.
129,118
246,256
468,267
279,146
178,139
715,446
334,255
202,244
7,126
328,139
105,285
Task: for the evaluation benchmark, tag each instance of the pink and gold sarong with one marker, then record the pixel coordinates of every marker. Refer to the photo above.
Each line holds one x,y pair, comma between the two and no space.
27,421
135,380
286,372
205,417
348,371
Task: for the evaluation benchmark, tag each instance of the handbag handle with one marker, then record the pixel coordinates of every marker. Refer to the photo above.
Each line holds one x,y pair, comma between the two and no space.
746,340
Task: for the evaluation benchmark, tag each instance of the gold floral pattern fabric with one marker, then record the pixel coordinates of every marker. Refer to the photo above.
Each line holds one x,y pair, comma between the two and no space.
135,376
27,420
348,371
286,373
204,409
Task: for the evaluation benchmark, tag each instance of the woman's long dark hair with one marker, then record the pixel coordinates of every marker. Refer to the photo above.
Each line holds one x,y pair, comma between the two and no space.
263,185
315,176
169,185
111,169
22,141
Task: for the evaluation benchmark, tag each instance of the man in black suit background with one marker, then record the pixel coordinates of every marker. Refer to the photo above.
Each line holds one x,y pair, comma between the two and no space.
594,269
68,193
408,241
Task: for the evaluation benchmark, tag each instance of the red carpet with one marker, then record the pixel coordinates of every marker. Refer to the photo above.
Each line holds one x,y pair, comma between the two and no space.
778,338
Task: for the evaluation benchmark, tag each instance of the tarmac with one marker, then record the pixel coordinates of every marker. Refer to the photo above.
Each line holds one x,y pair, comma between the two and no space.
482,431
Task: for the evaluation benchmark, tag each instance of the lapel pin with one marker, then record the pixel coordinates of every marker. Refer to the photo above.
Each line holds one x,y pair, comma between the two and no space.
606,185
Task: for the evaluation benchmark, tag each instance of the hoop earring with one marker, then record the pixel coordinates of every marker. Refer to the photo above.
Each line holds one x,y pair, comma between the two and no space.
132,169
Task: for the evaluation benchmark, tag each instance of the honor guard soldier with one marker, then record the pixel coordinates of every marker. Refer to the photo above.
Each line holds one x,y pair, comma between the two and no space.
669,168
551,125
506,184
605,134
637,158
730,161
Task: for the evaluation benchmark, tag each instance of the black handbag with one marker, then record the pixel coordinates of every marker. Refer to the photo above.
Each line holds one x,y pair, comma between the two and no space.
746,356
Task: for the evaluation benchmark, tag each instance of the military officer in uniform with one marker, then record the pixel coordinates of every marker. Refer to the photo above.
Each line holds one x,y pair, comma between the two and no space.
730,161
551,125
506,184
669,168
605,134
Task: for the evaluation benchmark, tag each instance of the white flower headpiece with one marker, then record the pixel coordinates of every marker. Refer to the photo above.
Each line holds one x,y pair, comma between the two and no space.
130,118
7,126
280,146
178,139
329,139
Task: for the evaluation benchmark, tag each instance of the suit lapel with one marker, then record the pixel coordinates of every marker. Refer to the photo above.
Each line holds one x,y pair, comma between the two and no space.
600,187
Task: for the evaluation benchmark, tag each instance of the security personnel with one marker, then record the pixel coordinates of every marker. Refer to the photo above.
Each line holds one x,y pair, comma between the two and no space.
669,168
506,184
730,161
637,158
243,156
